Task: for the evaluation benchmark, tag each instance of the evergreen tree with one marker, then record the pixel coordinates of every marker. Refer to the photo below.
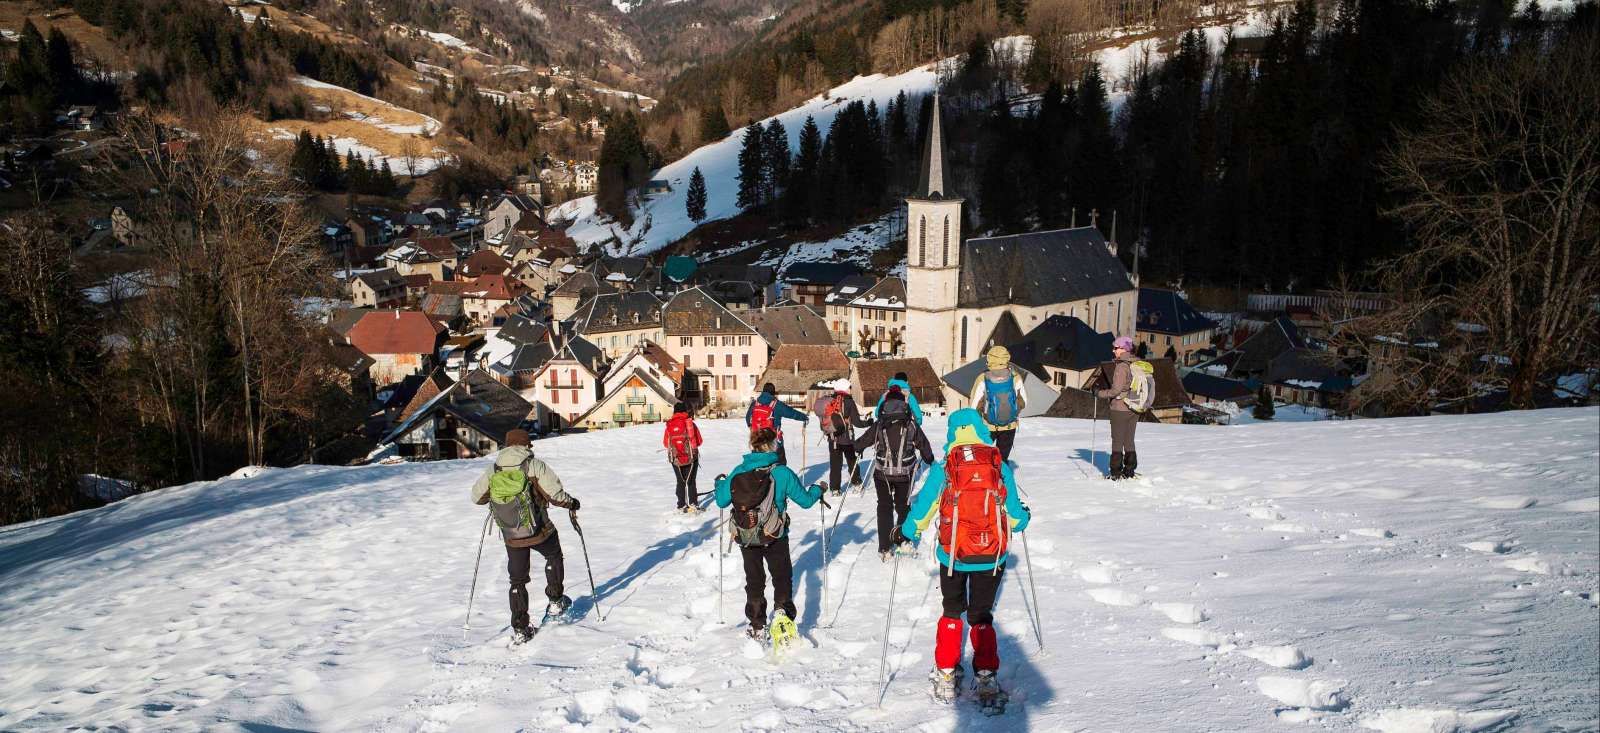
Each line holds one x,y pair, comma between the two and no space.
713,123
752,168
802,186
775,160
998,199
694,202
1264,409
624,165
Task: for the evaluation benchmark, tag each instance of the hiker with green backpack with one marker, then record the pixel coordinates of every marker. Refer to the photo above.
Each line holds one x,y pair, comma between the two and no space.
758,493
519,490
1131,392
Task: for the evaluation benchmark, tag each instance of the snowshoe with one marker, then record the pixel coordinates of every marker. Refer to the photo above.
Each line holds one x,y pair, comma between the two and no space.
946,684
557,610
759,636
991,699
784,634
905,549
886,556
523,635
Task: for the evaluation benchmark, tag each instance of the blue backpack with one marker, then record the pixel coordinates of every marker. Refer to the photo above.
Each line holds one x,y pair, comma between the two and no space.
1000,397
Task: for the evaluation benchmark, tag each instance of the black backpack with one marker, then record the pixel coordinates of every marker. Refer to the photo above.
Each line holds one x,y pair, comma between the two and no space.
897,454
755,518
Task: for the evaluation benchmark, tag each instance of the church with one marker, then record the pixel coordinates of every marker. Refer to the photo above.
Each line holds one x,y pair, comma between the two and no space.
957,291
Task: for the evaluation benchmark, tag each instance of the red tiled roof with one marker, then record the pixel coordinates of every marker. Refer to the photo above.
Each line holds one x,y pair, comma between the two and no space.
497,287
439,247
419,280
485,262
395,332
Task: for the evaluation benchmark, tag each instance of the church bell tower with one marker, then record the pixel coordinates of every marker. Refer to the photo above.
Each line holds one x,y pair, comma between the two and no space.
933,257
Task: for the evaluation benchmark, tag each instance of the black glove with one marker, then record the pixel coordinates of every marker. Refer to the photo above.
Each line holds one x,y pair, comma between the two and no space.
575,504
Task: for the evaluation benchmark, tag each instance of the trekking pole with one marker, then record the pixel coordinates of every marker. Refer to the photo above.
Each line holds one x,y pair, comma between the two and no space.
720,529
1093,420
822,519
1027,561
888,622
471,594
593,598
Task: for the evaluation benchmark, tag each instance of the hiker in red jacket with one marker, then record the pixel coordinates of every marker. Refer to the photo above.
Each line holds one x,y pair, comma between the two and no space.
682,442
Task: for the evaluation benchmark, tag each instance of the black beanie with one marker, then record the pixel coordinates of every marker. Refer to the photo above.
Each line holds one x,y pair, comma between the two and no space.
900,376
680,407
769,389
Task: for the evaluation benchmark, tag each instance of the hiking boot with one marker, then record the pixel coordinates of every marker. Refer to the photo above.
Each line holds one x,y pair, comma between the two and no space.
1115,474
759,636
946,684
1130,461
886,555
558,606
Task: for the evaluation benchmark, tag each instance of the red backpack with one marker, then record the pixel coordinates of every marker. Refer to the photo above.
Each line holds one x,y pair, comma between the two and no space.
680,441
761,416
973,526
833,415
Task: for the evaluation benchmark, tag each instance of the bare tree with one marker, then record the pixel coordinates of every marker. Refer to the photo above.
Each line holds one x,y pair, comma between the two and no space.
1499,187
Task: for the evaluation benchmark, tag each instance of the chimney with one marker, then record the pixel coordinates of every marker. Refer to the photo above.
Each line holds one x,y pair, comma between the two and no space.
797,367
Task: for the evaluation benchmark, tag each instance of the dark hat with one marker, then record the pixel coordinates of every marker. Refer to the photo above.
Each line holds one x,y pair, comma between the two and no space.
680,407
769,389
901,376
517,437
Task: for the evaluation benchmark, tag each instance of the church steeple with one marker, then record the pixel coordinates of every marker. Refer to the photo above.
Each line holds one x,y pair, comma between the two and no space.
931,176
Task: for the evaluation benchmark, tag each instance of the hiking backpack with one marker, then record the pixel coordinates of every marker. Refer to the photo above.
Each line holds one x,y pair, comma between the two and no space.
894,429
1141,386
1000,397
833,420
680,442
761,416
754,517
973,526
511,501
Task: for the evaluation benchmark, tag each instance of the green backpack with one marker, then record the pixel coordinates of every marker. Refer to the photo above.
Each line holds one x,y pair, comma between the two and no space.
511,501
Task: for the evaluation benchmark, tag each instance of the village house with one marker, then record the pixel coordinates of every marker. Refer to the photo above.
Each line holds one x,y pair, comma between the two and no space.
836,309
400,343
877,318
1207,390
1168,326
466,419
808,283
484,297
956,290
579,286
636,399
483,262
407,258
789,325
417,287
869,379
505,212
568,385
796,370
364,232
617,321
650,358
585,177
383,288
722,354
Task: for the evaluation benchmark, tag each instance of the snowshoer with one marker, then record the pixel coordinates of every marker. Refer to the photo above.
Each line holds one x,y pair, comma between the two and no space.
1126,404
998,396
767,411
903,382
682,441
975,496
520,489
838,415
758,493
898,441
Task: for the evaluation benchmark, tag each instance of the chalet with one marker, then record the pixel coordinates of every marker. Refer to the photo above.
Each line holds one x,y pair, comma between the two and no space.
1210,390
1061,350
657,187
1168,326
877,318
1310,378
568,385
444,250
401,343
836,309
723,354
1252,357
808,283
797,369
636,399
617,321
417,286
383,288
650,358
466,419
336,237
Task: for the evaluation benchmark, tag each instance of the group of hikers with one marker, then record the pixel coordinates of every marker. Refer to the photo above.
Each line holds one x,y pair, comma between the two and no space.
970,485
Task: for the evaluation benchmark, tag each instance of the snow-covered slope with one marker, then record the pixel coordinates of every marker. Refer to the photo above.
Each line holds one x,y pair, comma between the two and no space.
1433,574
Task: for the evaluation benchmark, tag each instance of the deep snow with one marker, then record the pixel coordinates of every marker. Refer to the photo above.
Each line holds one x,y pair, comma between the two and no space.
1407,575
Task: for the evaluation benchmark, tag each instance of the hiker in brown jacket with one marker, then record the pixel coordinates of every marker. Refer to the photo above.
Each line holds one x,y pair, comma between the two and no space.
520,490
1123,419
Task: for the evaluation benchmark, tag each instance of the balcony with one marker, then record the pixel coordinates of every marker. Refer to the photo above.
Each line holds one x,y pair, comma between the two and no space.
622,418
635,399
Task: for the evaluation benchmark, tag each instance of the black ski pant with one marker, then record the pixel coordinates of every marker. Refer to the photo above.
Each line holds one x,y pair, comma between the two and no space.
894,502
970,592
519,561
688,495
1003,440
840,454
758,561
1122,425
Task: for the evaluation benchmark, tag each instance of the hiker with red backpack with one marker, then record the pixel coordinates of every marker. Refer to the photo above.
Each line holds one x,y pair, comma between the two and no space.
767,411
682,442
758,493
1131,392
520,490
837,414
998,397
975,496
897,442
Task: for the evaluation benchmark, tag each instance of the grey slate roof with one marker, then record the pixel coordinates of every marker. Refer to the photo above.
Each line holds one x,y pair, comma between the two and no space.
819,273
617,312
1213,387
522,330
1064,342
478,400
382,279
891,290
1039,268
693,312
790,325
1164,311
1252,357
848,289
933,172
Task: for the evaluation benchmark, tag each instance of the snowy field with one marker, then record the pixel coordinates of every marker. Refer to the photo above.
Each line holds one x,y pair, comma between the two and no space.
1409,575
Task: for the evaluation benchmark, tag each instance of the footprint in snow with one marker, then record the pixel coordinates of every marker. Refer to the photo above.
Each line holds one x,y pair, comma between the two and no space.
1283,657
1097,574
1505,502
1183,613
1488,546
1197,637
1424,720
1115,597
1312,694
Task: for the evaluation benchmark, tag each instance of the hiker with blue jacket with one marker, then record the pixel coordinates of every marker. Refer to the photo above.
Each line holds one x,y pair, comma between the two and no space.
520,490
997,396
758,493
902,382
767,411
975,496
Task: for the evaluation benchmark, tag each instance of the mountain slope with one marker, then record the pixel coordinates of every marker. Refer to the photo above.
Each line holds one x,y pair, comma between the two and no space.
1444,579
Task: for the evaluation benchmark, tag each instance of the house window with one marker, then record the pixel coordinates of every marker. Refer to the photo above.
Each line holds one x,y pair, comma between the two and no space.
574,397
752,381
710,341
685,341
727,340
555,397
922,241
880,332
744,360
727,360
711,361
744,340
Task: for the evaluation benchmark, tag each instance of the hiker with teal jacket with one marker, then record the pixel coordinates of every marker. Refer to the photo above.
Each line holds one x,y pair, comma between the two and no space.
903,383
975,496
758,493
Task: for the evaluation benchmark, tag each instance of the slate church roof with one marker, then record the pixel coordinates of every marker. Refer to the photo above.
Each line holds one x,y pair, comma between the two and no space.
1039,269
1162,311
